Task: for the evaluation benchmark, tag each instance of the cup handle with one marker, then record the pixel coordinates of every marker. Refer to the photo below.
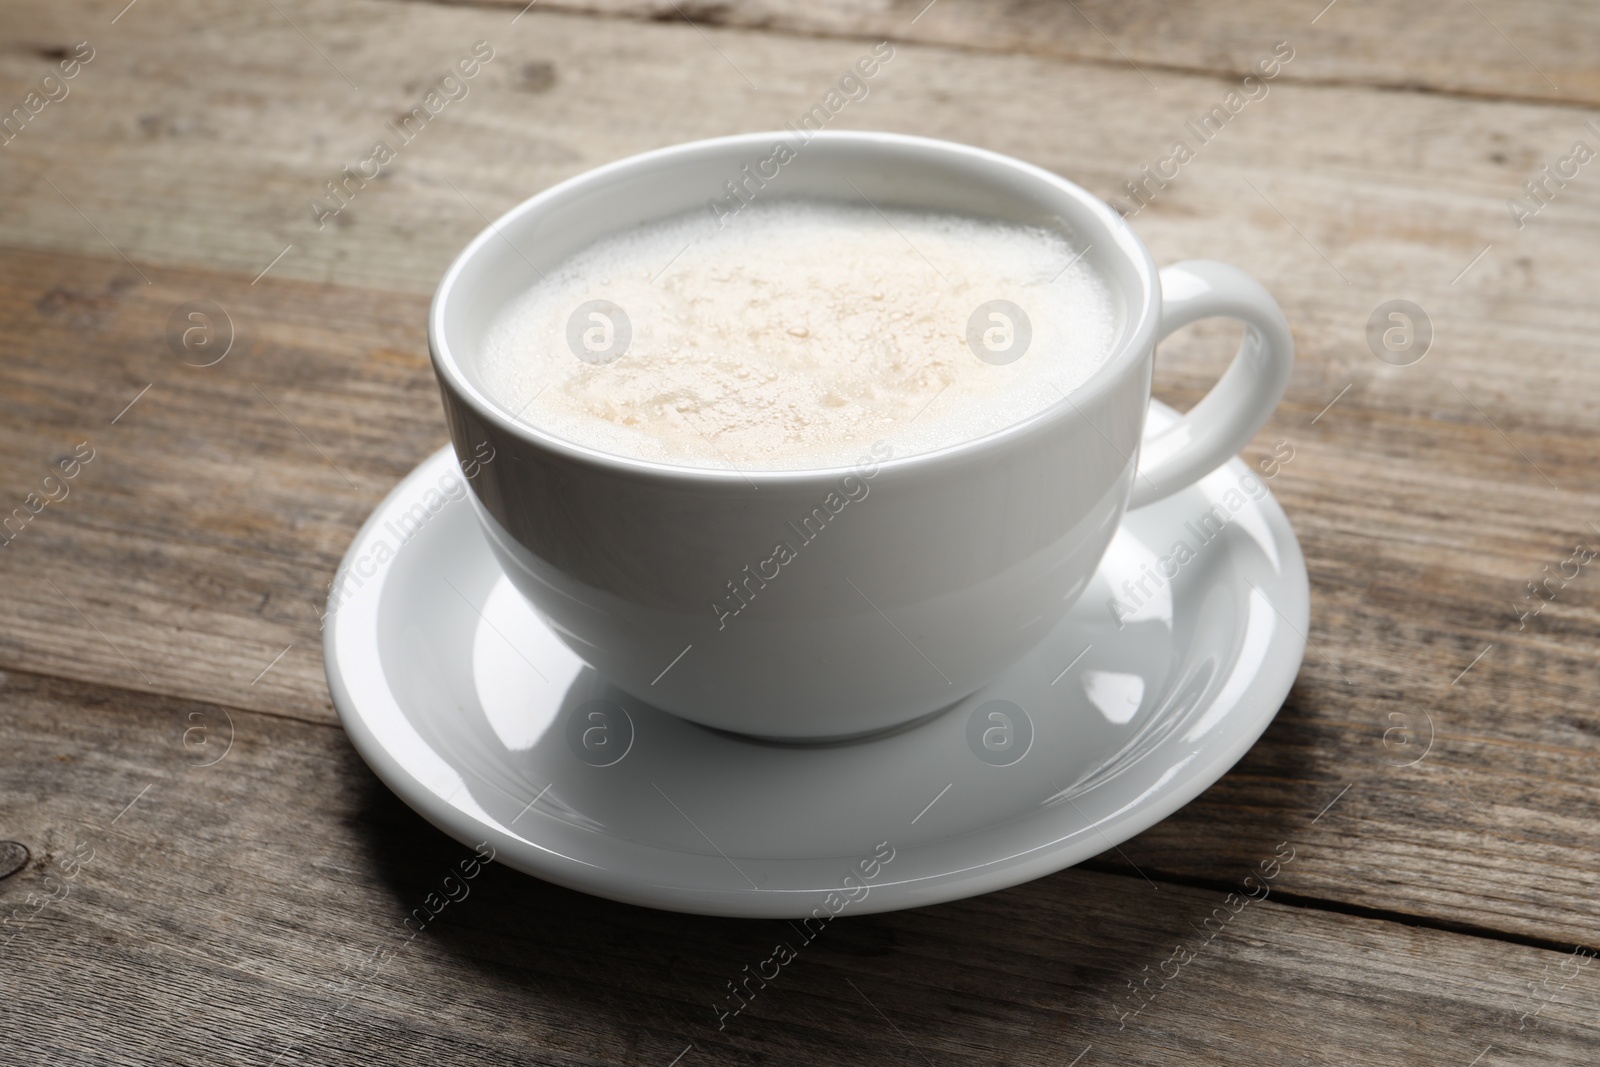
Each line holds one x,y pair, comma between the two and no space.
1244,397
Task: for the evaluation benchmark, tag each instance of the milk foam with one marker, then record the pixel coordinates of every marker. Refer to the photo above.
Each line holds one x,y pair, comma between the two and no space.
798,335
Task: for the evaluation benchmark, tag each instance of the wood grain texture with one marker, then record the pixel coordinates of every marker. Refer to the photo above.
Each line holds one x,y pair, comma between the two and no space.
1401,191
197,543
182,573
1495,50
253,911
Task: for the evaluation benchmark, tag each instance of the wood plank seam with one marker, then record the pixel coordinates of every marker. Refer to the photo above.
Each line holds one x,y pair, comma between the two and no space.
161,694
1312,903
1220,74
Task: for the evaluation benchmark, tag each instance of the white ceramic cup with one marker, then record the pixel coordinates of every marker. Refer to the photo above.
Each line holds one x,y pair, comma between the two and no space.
910,580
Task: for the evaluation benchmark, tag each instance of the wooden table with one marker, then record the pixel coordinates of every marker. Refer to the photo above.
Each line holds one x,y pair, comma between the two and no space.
215,877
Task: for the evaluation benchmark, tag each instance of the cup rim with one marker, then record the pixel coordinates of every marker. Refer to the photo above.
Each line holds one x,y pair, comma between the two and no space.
1143,309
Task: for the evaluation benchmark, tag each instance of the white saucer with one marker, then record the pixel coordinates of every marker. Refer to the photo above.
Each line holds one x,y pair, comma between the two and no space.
469,708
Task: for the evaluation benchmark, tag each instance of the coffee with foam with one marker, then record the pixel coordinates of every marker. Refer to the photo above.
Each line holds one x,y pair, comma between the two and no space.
799,335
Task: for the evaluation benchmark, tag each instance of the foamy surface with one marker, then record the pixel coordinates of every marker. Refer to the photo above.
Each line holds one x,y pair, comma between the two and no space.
798,335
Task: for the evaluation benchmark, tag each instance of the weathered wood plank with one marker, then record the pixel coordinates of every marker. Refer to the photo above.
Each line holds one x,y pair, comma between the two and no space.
253,911
1540,52
189,168
214,546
